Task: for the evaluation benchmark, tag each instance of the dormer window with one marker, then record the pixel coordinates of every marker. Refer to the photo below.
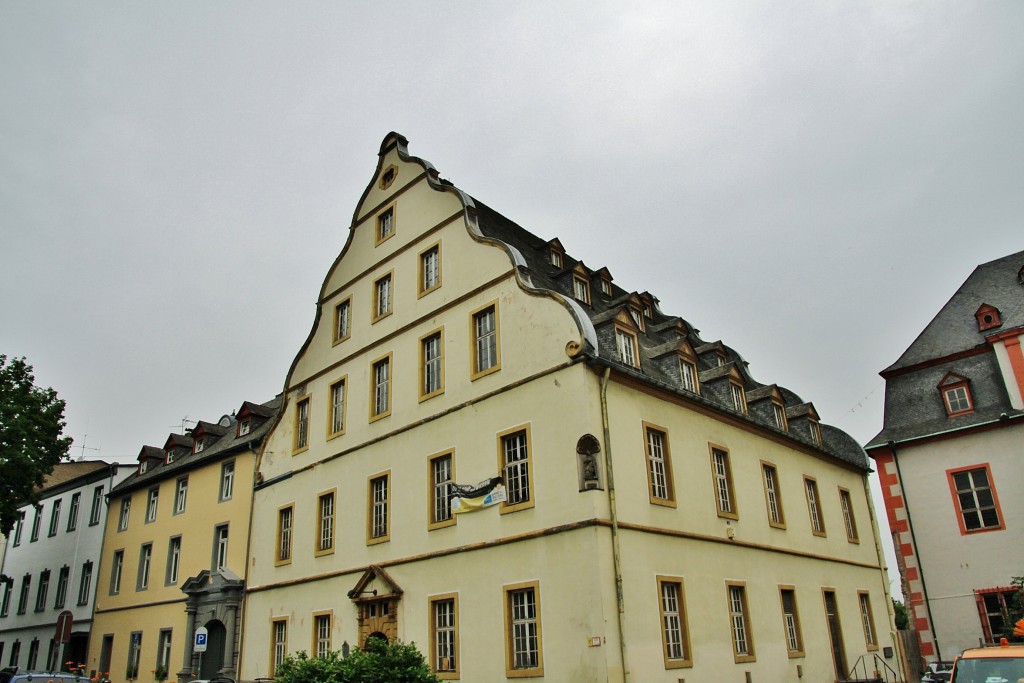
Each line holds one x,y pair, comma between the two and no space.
606,286
556,258
780,416
581,289
688,375
648,311
244,426
720,359
171,454
638,317
625,346
199,444
143,466
987,317
956,395
739,397
815,431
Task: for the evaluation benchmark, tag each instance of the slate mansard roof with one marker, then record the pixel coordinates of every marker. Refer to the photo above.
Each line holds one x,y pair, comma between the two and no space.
953,342
659,340
222,441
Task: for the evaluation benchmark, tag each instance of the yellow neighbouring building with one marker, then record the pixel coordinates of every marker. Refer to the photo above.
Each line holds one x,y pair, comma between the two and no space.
665,516
174,551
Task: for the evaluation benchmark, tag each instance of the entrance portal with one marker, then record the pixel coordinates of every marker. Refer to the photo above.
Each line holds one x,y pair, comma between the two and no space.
213,659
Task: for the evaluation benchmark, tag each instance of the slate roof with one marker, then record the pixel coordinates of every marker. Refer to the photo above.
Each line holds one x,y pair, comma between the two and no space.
662,333
221,441
67,472
954,328
952,343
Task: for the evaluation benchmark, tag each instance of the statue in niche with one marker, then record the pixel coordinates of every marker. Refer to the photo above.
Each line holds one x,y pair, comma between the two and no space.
587,448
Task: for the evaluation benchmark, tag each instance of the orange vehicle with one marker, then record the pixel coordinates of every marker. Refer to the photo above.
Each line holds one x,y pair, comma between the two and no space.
1001,664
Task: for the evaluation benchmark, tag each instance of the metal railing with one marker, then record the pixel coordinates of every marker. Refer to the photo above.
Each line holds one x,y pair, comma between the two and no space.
871,668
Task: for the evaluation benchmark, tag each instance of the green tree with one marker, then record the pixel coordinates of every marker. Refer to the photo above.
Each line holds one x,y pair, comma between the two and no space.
901,618
380,661
31,437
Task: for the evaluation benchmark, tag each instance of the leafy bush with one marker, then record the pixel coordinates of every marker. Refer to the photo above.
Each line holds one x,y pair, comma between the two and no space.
379,662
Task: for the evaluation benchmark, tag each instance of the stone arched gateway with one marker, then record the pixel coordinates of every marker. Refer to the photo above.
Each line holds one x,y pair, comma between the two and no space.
214,601
376,596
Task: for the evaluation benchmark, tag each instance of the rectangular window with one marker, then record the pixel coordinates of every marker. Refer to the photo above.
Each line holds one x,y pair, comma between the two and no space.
994,605
739,398
15,653
244,426
33,653
791,622
675,638
279,646
26,587
42,590
145,559
442,476
54,517
846,503
444,635
85,584
581,289
5,605
625,345
126,508
325,523
867,620
34,536
556,258
721,470
163,650
337,399
975,497
742,642
343,320
430,269
62,587
76,501
321,634
173,560
227,480
116,567
688,375
772,497
134,653
380,398
524,656
378,519
957,400
283,552
180,495
660,488
515,466
385,224
815,431
814,507
151,504
486,349
97,506
220,547
638,318
301,424
19,524
431,365
382,297
780,416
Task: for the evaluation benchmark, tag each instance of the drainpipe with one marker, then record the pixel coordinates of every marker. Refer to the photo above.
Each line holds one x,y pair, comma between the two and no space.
913,541
616,554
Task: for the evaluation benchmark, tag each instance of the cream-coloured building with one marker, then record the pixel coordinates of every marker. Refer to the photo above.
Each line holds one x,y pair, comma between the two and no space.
174,553
662,515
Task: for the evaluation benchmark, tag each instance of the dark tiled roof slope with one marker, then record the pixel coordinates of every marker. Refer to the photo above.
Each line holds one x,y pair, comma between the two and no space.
913,402
661,335
216,448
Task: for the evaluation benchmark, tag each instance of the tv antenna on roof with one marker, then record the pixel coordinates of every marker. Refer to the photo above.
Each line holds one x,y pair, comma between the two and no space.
184,425
85,448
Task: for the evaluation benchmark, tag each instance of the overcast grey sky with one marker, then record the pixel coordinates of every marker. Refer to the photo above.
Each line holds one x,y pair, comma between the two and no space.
806,181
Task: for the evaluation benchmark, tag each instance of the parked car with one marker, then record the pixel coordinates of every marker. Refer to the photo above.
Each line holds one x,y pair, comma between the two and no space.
938,672
1003,663
15,675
